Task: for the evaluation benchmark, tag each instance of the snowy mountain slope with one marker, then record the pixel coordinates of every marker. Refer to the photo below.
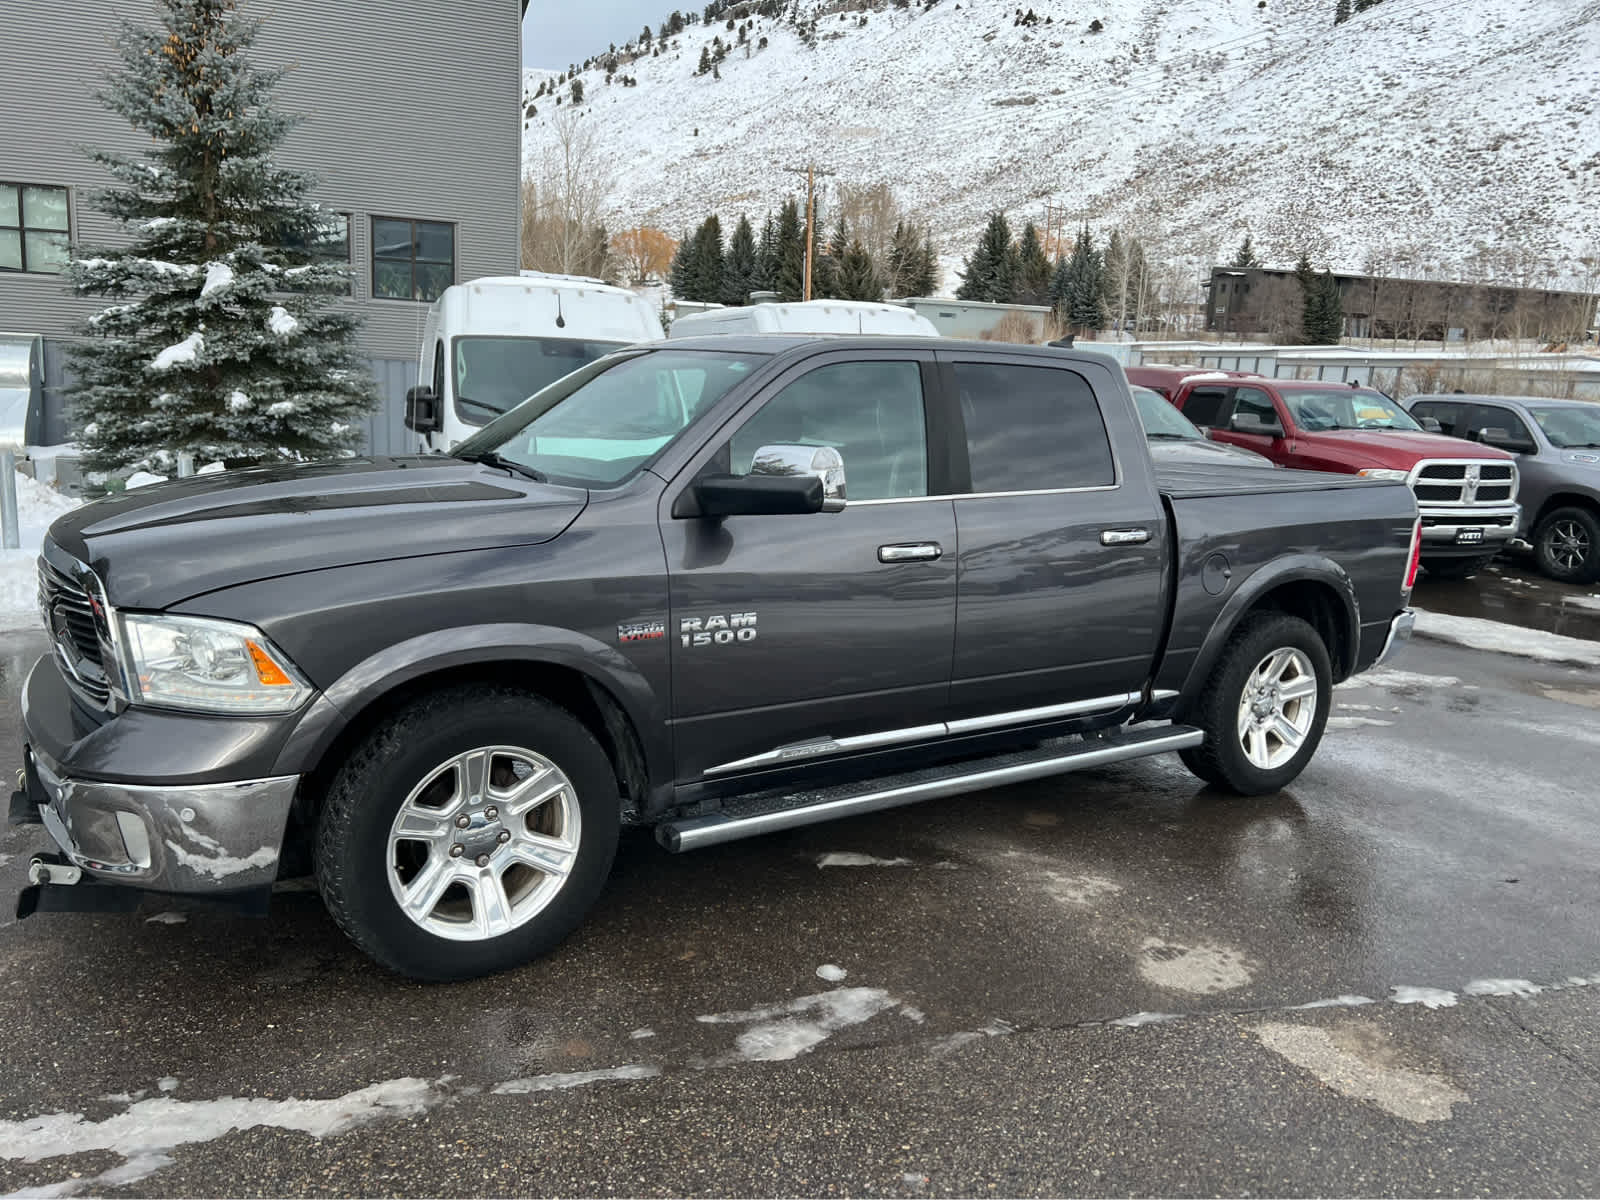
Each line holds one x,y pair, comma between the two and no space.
1458,137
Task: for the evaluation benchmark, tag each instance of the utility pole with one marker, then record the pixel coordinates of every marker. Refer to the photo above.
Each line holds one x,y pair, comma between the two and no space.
812,175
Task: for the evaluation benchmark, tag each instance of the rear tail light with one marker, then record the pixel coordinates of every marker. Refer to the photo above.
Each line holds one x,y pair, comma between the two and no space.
1416,556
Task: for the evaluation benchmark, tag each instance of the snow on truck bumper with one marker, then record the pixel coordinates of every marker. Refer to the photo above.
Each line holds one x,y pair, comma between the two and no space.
220,837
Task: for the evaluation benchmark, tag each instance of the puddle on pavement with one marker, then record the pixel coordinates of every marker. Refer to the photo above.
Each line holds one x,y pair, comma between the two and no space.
1513,592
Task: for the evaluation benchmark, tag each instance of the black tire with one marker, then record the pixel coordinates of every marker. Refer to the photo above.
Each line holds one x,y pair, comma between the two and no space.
1566,545
352,849
1456,568
1221,759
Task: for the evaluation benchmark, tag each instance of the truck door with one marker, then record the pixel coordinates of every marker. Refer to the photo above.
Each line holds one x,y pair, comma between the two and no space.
1063,548
1256,407
790,634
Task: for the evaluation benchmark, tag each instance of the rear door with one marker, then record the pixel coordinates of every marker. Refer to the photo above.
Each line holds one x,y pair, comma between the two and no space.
804,638
1063,548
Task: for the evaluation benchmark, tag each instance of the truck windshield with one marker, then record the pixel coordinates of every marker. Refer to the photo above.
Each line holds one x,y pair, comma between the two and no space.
1161,420
495,374
1569,428
600,425
1345,408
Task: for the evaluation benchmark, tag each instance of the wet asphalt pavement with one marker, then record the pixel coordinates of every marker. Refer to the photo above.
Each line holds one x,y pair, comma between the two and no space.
1094,984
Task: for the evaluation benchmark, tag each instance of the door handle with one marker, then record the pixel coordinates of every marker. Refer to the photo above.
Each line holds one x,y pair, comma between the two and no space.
910,552
1124,537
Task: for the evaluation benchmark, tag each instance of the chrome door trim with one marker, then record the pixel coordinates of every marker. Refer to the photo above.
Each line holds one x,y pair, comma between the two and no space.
1049,712
828,746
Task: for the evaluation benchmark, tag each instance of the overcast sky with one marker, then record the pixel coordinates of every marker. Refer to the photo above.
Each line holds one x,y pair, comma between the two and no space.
557,33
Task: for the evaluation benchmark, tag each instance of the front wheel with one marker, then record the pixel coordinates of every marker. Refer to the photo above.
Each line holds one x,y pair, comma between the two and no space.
469,833
1567,545
1264,707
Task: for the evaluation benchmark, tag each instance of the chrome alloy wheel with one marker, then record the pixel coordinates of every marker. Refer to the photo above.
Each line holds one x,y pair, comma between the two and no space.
1568,544
1277,707
484,843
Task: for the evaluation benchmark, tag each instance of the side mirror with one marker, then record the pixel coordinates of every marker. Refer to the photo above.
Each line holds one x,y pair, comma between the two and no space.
783,480
1252,423
422,410
1501,439
1430,424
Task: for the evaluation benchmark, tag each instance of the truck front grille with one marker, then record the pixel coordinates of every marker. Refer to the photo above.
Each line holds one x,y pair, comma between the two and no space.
76,623
1464,484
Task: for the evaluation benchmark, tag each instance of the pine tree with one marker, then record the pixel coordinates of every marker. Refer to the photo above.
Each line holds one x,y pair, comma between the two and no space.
1310,319
1085,305
902,258
926,280
1246,258
1033,275
790,274
827,275
225,339
858,275
991,272
1060,293
1341,12
767,255
679,275
1323,321
705,61
706,262
740,269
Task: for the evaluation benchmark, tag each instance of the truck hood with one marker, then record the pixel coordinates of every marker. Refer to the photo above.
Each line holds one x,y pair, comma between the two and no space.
1197,450
1397,448
156,546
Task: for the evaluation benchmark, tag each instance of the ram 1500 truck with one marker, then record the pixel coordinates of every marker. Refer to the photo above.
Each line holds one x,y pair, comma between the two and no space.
1466,492
775,580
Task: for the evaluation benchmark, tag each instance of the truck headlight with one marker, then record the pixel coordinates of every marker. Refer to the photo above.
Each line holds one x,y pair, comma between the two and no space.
211,666
1384,473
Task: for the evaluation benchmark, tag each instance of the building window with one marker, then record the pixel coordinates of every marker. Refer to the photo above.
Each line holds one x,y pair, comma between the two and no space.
329,244
412,260
34,228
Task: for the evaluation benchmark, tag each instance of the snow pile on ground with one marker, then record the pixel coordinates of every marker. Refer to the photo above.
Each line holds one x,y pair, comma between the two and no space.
1478,634
37,507
1415,138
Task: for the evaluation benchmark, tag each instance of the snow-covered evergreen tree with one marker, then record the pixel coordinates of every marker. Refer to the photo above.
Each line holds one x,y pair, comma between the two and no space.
225,338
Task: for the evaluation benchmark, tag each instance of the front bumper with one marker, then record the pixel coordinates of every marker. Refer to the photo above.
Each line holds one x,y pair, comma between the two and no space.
206,839
1458,531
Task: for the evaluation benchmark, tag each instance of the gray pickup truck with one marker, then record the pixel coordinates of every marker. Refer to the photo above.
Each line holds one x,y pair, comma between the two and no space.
649,596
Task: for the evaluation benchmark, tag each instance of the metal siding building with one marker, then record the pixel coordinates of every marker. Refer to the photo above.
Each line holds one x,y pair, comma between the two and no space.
407,109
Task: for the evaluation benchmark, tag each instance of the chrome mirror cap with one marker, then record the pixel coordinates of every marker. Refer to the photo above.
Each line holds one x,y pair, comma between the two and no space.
826,463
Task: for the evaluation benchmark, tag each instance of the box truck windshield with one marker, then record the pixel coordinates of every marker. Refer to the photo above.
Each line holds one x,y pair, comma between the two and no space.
493,375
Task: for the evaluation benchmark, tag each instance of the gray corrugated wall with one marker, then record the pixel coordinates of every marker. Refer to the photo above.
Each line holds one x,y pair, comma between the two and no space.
385,428
411,109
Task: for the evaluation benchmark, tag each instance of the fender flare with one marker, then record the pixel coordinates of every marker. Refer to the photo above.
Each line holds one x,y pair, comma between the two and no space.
473,645
1294,568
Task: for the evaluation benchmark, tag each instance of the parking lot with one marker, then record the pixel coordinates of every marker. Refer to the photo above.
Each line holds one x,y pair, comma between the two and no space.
1385,980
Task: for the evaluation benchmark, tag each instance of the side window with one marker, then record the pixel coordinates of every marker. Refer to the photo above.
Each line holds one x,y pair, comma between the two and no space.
1032,429
438,370
1252,402
1205,405
871,412
1448,416
1484,417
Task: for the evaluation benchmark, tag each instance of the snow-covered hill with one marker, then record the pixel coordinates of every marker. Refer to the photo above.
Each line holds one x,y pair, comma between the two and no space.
1456,137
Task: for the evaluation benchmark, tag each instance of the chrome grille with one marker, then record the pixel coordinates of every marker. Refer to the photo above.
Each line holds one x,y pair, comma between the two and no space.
1465,484
70,619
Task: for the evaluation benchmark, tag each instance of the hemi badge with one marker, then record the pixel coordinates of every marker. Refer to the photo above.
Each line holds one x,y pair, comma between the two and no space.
641,631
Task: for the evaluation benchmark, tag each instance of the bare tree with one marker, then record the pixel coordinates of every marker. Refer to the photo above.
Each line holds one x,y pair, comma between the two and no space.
564,203
871,213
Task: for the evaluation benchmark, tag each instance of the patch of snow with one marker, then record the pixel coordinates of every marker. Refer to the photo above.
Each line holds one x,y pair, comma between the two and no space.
1399,681
215,468
166,918
1355,1071
143,479
784,1031
145,1133
1479,634
848,858
1145,1018
219,277
1430,997
915,1015
167,1083
238,401
38,506
1336,1002
1502,987
831,973
156,223
184,352
640,1034
1198,969
281,321
1355,722
281,408
572,1079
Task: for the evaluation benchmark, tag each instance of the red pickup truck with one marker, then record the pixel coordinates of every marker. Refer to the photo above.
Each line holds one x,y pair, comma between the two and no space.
1466,492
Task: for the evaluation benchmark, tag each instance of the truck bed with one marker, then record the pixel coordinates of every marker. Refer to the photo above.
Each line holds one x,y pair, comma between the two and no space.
1193,481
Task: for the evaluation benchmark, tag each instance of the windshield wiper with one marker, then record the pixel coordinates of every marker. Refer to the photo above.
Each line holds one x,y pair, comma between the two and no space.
1171,437
491,458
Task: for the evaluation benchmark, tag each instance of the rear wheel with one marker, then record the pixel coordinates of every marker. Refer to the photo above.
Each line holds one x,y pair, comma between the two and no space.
469,833
1566,545
1456,568
1264,707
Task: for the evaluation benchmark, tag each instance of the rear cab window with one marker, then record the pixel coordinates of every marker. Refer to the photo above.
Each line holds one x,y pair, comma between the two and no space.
1032,429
